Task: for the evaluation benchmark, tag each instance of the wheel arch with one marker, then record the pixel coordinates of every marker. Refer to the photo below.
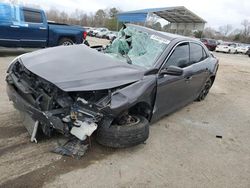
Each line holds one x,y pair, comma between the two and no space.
142,108
68,37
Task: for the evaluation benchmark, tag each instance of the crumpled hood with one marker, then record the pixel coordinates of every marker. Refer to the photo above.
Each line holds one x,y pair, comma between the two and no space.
80,68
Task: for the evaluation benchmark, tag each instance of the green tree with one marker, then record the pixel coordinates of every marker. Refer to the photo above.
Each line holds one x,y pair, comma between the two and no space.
113,12
100,17
198,34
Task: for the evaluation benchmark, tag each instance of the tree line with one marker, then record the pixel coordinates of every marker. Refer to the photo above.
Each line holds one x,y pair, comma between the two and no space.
228,33
107,18
101,18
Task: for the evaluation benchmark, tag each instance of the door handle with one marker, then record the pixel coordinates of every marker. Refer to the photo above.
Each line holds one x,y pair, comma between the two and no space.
42,28
15,26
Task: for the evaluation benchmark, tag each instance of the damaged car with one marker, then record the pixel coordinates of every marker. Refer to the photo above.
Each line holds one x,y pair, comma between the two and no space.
115,91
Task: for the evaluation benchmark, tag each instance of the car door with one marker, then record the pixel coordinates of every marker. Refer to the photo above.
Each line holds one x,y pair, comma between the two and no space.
175,91
198,71
171,89
34,30
9,35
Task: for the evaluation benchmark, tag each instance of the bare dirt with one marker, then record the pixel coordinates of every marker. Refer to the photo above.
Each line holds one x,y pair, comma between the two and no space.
182,151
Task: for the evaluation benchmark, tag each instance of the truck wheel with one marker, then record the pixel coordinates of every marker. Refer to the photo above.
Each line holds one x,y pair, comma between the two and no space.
122,136
204,90
65,42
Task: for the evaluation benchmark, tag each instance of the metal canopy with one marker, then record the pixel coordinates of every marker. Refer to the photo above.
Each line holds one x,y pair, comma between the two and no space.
178,14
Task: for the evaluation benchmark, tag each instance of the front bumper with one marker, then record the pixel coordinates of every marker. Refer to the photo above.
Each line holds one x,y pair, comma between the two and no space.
48,118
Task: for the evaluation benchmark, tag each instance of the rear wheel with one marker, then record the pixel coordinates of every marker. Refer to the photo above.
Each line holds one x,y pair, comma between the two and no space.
133,132
205,90
65,42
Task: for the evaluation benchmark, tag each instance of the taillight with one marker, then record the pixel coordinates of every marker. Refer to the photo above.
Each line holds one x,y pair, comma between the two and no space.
84,35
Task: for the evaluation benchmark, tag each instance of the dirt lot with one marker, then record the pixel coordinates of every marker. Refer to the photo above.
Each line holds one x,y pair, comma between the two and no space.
182,150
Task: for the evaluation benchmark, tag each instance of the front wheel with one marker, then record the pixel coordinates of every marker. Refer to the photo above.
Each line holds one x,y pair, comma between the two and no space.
205,90
65,42
131,133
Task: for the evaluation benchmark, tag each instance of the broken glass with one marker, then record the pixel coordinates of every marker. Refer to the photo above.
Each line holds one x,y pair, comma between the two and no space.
137,47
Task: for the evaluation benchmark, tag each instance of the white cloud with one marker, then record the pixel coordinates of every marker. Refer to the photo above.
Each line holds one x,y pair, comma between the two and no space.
215,12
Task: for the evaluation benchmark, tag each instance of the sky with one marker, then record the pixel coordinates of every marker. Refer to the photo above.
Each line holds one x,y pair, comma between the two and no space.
215,12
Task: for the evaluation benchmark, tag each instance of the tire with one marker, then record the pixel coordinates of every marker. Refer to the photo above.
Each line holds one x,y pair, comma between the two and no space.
65,42
122,136
205,90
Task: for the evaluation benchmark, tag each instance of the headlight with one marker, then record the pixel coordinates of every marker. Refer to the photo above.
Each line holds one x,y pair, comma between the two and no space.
12,63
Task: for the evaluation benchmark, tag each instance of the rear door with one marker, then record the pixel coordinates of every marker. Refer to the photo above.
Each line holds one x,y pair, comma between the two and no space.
34,30
197,69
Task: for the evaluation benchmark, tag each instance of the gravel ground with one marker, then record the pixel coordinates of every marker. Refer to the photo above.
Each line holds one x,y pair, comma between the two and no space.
182,150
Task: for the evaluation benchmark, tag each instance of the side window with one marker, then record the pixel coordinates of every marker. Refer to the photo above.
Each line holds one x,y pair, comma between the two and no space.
32,16
179,57
196,53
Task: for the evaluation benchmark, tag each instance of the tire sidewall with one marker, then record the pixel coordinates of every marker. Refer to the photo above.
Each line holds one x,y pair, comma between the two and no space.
63,41
118,136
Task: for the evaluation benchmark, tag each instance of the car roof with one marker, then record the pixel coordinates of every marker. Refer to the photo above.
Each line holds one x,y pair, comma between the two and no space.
165,35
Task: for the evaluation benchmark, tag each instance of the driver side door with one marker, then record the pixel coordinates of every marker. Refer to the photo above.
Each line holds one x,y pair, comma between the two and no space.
173,90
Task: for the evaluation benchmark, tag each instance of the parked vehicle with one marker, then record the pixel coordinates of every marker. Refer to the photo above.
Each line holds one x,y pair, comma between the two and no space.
209,43
102,34
99,30
111,35
90,32
28,27
248,52
241,48
116,91
227,48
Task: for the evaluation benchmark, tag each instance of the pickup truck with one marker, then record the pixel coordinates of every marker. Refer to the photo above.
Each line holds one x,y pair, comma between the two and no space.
28,27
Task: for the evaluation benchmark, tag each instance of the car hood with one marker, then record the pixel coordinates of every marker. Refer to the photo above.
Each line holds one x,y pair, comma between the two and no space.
80,68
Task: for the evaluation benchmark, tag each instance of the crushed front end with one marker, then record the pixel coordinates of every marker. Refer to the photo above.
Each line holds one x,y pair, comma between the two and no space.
70,113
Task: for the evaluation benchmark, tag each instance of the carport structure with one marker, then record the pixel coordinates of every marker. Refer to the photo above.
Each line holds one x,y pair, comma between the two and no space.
180,18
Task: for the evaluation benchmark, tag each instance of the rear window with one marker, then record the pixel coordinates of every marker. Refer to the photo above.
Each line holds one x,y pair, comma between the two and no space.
212,41
196,53
32,16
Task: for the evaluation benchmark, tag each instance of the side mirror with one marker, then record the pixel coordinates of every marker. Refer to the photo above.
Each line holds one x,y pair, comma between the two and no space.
172,70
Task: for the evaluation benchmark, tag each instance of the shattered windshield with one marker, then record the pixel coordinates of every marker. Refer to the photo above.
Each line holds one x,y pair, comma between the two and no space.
136,47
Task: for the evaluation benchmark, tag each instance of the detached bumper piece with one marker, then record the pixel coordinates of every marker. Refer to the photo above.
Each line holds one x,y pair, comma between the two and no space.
74,148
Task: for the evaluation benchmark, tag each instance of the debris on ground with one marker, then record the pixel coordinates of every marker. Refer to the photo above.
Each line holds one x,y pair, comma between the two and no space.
219,136
73,147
